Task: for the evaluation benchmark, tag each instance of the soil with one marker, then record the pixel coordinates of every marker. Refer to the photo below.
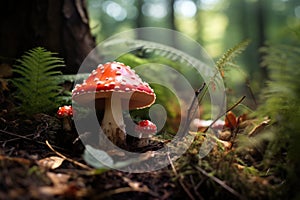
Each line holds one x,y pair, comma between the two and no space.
23,177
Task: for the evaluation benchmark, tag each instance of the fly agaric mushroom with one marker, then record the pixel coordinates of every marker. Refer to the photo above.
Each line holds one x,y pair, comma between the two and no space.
145,130
65,112
114,86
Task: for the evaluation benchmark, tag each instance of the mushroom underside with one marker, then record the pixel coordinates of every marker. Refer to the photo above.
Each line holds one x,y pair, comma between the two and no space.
129,100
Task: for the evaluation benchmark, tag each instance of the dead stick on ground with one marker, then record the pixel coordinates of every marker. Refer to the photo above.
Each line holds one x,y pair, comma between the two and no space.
195,188
68,159
122,190
220,182
18,136
180,179
14,139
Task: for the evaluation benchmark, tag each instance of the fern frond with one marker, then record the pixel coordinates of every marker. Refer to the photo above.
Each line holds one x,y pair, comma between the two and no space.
281,102
228,57
37,88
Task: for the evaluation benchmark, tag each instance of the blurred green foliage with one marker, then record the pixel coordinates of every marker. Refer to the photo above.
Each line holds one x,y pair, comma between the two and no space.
215,24
281,102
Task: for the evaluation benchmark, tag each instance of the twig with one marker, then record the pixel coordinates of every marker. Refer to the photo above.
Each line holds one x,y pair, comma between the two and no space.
190,115
220,182
122,190
180,179
229,109
25,138
68,159
14,139
195,188
20,136
137,186
259,128
251,92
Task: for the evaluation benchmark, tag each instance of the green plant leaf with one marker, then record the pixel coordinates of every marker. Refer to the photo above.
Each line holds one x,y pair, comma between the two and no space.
100,160
37,88
97,158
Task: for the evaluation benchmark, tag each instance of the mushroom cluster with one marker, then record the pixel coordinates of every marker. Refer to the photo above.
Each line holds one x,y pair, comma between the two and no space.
114,87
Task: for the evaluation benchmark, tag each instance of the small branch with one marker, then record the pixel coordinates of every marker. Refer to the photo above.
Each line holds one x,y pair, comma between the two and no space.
25,138
68,159
220,182
180,179
222,114
138,186
123,190
190,115
195,188
14,139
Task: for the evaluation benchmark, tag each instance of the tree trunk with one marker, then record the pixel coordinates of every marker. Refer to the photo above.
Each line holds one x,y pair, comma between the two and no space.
58,25
260,13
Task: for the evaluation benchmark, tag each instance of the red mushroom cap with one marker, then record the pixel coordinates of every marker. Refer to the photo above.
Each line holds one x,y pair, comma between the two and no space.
146,127
65,111
114,77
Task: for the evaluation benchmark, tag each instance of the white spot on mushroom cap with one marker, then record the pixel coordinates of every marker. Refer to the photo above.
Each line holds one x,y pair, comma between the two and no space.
118,73
94,72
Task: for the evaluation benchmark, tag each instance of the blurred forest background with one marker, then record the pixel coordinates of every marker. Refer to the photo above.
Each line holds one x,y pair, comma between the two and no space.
216,24
73,28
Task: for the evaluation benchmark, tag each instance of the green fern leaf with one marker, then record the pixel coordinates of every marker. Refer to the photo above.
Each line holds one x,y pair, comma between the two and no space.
281,102
37,88
228,57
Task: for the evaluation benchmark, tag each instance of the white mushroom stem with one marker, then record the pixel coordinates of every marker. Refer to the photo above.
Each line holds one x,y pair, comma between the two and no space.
113,124
67,124
143,140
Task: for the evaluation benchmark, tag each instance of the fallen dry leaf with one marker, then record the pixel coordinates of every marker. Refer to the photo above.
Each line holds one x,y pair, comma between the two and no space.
58,178
52,162
259,128
230,120
62,186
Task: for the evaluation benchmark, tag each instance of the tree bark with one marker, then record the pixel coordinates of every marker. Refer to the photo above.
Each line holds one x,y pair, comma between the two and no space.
58,25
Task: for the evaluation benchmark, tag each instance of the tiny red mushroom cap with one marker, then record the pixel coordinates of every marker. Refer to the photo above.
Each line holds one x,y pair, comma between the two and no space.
114,77
146,127
65,111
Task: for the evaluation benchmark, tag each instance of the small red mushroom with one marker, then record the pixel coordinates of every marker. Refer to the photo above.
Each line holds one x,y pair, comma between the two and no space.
145,129
65,112
114,86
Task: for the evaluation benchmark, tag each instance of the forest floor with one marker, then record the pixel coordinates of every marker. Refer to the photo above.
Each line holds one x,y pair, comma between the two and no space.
30,168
